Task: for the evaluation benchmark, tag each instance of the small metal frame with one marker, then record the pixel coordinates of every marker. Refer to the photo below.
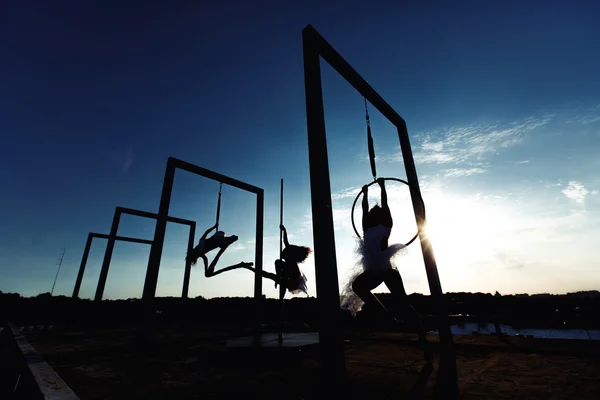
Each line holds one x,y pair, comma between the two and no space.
112,237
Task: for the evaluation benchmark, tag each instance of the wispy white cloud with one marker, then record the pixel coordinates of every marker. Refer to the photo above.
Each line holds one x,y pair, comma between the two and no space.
349,192
576,191
237,246
121,158
128,160
510,261
521,162
588,119
456,172
557,183
469,144
586,116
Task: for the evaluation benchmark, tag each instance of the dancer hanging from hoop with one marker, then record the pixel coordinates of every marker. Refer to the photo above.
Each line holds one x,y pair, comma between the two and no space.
288,271
377,266
221,241
205,245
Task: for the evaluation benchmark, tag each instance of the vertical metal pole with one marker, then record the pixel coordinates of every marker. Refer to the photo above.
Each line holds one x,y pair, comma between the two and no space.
334,367
159,234
447,379
188,263
281,220
258,264
110,246
155,255
58,270
281,288
86,253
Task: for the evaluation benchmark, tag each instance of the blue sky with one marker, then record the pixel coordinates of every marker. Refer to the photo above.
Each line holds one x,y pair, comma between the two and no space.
501,101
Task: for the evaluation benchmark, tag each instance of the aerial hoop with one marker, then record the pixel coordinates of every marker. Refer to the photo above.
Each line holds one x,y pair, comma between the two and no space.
361,192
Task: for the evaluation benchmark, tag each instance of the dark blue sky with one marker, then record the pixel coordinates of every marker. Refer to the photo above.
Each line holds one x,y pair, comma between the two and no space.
95,98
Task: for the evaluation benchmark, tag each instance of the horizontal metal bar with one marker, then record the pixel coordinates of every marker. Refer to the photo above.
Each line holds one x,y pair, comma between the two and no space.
122,238
194,169
146,214
337,62
181,221
133,240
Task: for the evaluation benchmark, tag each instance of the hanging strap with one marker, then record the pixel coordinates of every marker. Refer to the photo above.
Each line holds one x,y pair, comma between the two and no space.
281,221
219,205
370,143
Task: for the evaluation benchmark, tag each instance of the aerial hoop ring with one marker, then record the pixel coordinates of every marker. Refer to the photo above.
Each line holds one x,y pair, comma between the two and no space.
361,192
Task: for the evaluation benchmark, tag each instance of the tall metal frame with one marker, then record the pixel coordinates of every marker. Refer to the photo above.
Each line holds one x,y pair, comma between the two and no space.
113,237
161,224
316,47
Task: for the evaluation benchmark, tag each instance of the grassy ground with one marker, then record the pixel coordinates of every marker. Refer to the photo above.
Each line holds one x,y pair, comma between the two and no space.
195,365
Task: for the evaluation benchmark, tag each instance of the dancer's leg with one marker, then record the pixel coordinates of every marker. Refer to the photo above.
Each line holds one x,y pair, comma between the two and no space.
393,281
231,267
210,271
363,284
264,274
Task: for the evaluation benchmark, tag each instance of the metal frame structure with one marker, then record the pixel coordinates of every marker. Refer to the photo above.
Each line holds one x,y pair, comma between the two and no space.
161,224
316,47
113,237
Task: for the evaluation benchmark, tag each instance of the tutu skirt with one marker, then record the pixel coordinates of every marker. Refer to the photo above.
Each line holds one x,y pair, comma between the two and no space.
375,262
301,287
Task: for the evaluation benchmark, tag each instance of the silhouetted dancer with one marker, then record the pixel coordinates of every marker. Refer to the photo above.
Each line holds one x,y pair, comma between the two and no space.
205,245
288,271
222,242
377,267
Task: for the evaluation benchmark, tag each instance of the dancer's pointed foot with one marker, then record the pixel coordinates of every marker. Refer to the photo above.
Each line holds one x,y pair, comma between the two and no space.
231,239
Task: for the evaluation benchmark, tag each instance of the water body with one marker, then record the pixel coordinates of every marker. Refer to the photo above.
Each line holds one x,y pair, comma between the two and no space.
473,328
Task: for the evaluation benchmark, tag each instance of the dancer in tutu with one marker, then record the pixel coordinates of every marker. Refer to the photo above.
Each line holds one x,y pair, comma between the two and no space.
378,267
289,275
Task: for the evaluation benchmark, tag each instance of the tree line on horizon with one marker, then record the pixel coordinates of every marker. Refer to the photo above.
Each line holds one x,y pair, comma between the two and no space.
573,310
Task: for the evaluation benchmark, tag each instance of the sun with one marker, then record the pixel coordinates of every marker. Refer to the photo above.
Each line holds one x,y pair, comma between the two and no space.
461,228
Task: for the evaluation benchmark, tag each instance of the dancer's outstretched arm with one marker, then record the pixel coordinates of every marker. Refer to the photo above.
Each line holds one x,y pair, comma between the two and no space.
387,214
285,237
208,231
365,207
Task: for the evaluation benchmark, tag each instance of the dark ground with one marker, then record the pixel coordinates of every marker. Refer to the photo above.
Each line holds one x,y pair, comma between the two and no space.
194,364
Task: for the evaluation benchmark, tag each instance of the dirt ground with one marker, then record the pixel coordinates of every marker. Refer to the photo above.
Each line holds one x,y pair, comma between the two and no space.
196,365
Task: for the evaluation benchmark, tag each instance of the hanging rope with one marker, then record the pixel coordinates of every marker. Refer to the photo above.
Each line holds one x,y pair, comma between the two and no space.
370,142
374,172
219,205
